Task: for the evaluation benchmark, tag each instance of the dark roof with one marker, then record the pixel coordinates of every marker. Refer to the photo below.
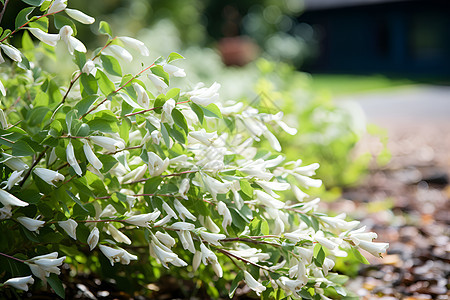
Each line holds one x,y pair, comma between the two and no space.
328,4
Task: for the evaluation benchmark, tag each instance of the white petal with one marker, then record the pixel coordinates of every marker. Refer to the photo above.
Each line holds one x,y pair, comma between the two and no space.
79,16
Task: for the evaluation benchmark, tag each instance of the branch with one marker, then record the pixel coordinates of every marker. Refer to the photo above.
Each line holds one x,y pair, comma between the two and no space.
229,254
3,10
38,159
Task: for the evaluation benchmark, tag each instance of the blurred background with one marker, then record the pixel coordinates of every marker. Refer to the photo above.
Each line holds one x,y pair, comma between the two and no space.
366,82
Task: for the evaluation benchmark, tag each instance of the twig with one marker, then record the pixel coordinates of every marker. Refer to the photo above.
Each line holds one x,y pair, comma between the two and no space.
5,139
38,159
3,10
12,257
229,254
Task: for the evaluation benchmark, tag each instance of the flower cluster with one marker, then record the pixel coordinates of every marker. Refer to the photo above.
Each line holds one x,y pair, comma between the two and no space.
120,160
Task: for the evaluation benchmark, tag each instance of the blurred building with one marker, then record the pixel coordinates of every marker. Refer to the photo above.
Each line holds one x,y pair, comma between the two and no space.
393,37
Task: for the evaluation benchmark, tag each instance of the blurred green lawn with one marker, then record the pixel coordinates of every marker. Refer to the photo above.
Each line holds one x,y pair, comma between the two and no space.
338,84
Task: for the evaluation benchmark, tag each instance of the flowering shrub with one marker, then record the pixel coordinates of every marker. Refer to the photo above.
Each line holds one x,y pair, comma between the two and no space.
109,168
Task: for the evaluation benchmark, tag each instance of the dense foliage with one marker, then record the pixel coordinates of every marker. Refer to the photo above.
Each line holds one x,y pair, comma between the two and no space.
110,168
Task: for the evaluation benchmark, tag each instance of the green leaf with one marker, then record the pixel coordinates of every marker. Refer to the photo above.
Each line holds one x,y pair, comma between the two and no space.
21,148
104,28
235,283
34,2
177,133
56,285
159,102
22,16
315,223
198,111
174,56
111,65
5,33
212,111
173,93
359,256
159,71
255,227
246,188
27,42
83,130
165,134
88,85
41,23
179,119
105,85
61,21
84,105
124,129
320,257
306,220
152,184
70,116
77,201
80,59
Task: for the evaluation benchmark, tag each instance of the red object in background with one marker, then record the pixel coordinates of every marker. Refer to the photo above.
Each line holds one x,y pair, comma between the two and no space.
237,51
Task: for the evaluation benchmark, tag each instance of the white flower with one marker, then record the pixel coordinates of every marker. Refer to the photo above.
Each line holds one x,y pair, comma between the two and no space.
91,157
48,175
72,43
207,255
79,16
204,137
12,52
212,238
215,187
196,260
182,226
14,178
135,44
291,285
143,220
223,210
89,68
186,240
217,268
93,238
47,38
156,137
108,212
268,200
175,71
205,96
70,227
107,143
270,186
8,199
72,160
20,283
5,212
165,255
169,210
338,222
209,224
158,82
2,87
184,188
167,108
253,284
31,224
57,6
327,265
142,96
305,253
119,52
184,213
321,239
126,257
3,120
376,249
41,266
298,193
273,141
307,181
14,163
156,166
165,238
114,255
135,175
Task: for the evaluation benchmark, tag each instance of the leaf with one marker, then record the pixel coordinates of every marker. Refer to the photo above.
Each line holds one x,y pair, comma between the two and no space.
61,21
212,111
255,227
77,201
105,85
34,2
315,223
320,257
359,256
104,28
41,23
22,16
174,56
177,133
235,283
88,85
70,116
80,59
198,111
179,119
165,134
27,42
84,104
56,285
152,184
159,102
129,101
173,93
159,71
5,33
21,148
246,188
111,65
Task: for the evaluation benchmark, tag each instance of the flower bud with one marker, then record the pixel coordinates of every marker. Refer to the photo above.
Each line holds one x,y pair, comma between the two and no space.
11,52
57,5
47,38
93,238
79,16
20,283
70,227
48,175
135,44
31,224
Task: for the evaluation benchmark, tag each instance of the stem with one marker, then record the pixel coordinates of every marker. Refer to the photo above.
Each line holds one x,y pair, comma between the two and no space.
116,91
128,148
168,175
17,29
12,257
252,239
5,139
3,10
150,109
38,159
